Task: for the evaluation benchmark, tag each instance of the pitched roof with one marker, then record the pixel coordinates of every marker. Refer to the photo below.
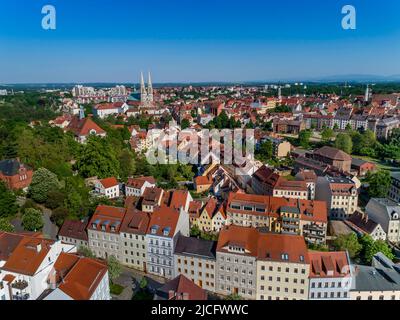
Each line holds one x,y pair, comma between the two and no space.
8,243
109,182
262,245
196,247
135,222
333,153
181,286
75,229
28,255
10,167
139,182
328,264
83,278
361,221
108,218
83,127
163,222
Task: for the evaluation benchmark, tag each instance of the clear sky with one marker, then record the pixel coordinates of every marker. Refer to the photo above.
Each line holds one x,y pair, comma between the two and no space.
196,40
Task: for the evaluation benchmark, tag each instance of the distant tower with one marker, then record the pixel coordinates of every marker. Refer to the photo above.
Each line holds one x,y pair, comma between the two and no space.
150,89
280,93
367,93
146,94
142,86
81,113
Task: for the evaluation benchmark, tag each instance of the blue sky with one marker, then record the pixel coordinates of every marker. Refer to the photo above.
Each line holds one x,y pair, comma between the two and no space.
195,41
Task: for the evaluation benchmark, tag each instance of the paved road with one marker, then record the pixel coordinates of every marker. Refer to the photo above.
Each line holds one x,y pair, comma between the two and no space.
130,279
50,230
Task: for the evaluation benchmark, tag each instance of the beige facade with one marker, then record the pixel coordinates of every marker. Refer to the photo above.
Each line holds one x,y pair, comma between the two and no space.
278,280
199,269
133,250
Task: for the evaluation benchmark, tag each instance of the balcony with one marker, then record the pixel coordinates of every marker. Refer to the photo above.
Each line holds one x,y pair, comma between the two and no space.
24,296
19,284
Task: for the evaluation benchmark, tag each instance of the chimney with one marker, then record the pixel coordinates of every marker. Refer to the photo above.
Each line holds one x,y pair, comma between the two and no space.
38,247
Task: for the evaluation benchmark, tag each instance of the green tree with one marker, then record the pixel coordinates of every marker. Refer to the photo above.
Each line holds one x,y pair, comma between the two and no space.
5,225
195,231
55,199
43,182
97,158
114,268
344,142
348,242
379,183
127,164
266,150
86,252
304,138
59,215
234,296
371,248
8,204
32,220
143,283
327,134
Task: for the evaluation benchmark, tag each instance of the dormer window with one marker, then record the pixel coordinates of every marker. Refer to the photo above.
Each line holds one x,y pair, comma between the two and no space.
166,231
302,258
285,256
154,229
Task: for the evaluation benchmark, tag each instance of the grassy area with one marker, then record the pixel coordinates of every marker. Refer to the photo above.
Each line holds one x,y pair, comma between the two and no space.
116,289
381,164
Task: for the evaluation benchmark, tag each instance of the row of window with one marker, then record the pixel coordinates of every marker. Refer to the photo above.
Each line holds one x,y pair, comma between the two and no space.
326,296
286,290
287,270
200,274
199,264
326,285
131,236
278,279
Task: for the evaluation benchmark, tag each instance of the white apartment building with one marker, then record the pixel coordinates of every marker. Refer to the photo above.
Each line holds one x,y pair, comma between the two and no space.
25,272
108,188
136,186
164,227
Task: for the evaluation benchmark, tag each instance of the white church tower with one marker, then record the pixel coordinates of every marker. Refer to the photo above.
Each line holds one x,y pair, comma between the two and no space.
146,95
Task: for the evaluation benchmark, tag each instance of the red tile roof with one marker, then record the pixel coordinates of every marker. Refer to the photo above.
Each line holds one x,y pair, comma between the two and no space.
28,255
75,229
109,182
163,219
107,217
181,288
328,264
83,278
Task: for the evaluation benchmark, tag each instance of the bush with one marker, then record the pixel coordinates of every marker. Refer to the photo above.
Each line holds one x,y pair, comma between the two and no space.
32,220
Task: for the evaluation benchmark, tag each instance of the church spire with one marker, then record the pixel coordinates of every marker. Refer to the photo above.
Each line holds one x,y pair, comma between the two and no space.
142,86
150,85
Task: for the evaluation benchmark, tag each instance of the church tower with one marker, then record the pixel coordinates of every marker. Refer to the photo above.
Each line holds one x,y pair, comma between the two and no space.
146,94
